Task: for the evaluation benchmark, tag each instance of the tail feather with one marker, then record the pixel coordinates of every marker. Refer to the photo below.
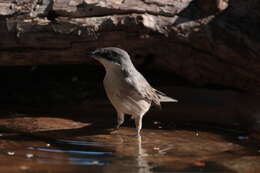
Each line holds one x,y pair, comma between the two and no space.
164,97
167,99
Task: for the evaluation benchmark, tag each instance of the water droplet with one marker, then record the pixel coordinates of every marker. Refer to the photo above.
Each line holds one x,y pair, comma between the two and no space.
10,153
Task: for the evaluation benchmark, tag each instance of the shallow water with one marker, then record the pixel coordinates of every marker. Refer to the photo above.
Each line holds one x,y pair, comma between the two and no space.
156,151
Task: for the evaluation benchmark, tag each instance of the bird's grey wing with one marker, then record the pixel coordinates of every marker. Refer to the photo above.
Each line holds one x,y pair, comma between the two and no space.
139,88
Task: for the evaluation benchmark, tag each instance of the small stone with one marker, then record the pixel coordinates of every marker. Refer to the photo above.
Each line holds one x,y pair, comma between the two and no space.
159,127
197,134
1,134
144,36
79,32
155,122
48,145
73,3
156,148
200,164
29,155
10,153
24,167
95,162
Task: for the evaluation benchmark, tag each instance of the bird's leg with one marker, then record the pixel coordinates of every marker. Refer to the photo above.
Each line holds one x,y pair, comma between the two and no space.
138,125
120,119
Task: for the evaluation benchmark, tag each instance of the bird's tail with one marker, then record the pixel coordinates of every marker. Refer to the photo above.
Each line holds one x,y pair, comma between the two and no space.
167,99
164,97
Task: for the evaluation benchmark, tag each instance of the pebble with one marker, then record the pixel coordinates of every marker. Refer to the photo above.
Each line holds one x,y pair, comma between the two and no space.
24,167
48,145
29,155
200,164
11,153
156,148
95,162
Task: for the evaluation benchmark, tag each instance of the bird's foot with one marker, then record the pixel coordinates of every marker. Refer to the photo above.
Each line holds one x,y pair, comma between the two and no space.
117,127
114,131
137,135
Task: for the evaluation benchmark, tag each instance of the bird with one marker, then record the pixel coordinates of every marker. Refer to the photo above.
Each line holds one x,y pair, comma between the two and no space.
127,89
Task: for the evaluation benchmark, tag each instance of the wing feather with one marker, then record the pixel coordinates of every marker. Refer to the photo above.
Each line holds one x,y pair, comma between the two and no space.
139,88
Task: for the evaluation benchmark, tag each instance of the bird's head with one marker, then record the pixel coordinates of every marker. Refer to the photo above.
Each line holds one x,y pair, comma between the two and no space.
111,56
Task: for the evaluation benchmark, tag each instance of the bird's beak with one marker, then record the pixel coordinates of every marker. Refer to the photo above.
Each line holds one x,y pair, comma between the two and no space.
93,54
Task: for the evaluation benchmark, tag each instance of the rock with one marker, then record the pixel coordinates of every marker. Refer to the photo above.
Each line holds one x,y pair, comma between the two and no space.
7,8
205,48
212,5
41,8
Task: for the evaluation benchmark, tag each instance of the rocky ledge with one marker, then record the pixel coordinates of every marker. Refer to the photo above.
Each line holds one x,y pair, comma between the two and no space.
213,42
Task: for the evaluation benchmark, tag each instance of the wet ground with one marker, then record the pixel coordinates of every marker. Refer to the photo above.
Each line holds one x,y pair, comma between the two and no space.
64,145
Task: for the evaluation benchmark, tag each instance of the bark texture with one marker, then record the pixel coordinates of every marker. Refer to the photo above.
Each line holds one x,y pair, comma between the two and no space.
206,42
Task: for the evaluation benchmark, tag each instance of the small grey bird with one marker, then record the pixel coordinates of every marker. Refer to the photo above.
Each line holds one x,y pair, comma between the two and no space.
126,88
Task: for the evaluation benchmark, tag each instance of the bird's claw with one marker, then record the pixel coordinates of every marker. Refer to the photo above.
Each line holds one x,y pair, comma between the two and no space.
137,135
114,131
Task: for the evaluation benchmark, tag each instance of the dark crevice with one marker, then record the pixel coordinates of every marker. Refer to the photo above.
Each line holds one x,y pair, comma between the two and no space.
148,60
113,12
52,15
